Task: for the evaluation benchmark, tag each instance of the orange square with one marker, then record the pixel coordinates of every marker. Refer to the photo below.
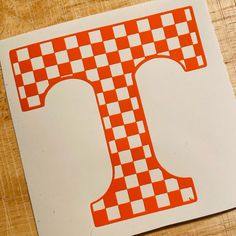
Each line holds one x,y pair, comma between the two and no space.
128,169
40,75
125,105
104,72
131,129
128,66
83,38
119,81
59,44
113,57
74,54
65,69
49,60
131,27
144,178
34,50
155,21
146,37
159,187
137,52
170,31
31,90
98,48
179,16
135,194
122,144
89,63
122,43
107,33
25,66
110,96
137,153
116,120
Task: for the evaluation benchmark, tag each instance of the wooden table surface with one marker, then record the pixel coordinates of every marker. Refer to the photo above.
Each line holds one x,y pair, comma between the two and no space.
20,16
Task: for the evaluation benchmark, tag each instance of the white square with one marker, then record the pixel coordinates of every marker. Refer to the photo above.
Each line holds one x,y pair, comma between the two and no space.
119,31
140,166
131,181
116,69
125,157
128,79
107,84
134,141
95,36
28,78
71,42
167,19
188,52
101,100
149,49
125,55
138,60
77,66
187,194
137,206
16,68
134,40
128,117
113,108
119,132
147,190
110,45
173,43
23,54
167,53
113,213
112,145
42,86
122,197
171,185
107,122
22,92
156,175
34,101
92,75
122,93
183,63
188,14
200,61
99,205
37,63
134,102
194,38
143,25
118,172
158,34
182,28
101,60
86,51
62,57
52,72
46,48
147,151
140,127
163,200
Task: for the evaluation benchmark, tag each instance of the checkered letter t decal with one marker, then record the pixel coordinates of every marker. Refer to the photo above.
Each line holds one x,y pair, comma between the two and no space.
107,59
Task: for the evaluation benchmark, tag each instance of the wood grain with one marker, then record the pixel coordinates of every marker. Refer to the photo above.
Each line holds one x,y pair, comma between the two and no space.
18,16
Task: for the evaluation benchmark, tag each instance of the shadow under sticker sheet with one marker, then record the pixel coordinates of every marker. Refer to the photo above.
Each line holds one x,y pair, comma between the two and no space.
125,120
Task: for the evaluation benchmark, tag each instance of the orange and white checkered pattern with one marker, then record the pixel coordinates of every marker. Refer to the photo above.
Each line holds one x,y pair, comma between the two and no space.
107,59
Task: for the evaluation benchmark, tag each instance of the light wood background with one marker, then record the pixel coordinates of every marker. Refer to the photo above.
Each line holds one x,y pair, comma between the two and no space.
19,16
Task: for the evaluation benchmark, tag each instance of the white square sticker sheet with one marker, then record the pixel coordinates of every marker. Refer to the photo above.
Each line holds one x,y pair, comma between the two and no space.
125,120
